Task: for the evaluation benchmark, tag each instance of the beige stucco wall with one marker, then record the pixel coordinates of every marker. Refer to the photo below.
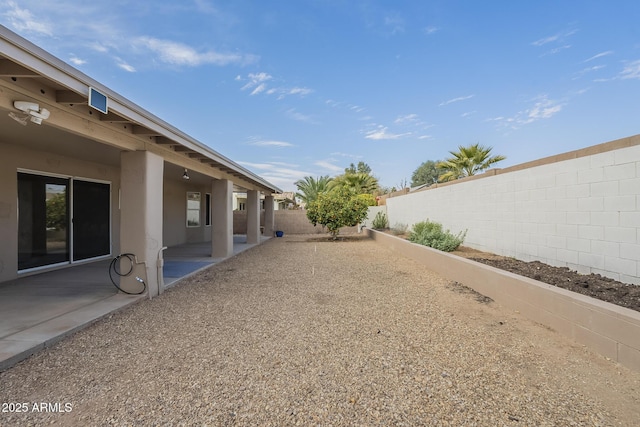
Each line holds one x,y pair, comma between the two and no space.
175,231
15,157
288,221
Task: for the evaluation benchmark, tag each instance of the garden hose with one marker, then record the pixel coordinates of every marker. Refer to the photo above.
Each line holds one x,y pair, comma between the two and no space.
114,267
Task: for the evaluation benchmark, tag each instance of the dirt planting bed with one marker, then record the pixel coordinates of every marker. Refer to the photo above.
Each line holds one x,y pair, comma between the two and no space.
593,285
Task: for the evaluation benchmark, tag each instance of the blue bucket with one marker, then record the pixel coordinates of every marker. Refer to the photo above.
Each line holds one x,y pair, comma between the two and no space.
279,233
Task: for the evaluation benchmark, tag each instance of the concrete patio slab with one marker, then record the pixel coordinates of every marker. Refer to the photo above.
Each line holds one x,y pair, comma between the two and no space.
40,310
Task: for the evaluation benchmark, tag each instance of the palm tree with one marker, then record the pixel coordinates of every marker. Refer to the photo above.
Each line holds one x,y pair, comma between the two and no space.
309,188
467,161
356,183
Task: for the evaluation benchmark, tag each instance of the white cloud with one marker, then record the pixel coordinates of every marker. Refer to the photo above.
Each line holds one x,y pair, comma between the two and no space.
451,101
599,55
556,50
546,40
300,91
588,70
543,108
23,20
77,61
279,144
180,54
295,115
468,113
260,88
99,47
409,118
430,30
631,71
350,156
126,66
329,166
381,134
555,38
280,174
259,83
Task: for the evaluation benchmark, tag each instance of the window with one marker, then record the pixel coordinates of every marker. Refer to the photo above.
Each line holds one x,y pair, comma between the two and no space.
242,206
207,209
193,209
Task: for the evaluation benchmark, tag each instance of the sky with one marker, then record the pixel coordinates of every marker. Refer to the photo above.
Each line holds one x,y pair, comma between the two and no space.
289,89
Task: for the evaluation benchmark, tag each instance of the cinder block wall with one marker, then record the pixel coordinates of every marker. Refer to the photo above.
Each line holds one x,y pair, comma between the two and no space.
579,209
288,221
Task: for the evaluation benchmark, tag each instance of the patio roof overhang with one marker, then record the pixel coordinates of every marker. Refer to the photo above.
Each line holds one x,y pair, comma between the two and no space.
27,70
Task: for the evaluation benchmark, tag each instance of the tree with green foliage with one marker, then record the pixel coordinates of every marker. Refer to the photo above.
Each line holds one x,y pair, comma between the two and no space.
57,212
361,168
309,188
426,173
467,161
356,183
338,208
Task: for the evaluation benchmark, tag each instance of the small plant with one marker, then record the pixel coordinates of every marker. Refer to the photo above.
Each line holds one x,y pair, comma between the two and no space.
399,229
431,234
380,221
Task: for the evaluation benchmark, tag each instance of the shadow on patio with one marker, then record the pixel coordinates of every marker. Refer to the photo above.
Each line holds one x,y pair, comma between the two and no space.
41,309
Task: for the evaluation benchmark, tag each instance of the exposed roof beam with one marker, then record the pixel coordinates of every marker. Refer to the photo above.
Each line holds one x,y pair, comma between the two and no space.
113,118
141,130
163,140
183,149
69,97
11,69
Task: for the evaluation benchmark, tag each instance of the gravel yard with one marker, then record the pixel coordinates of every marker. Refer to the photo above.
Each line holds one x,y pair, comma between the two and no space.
299,332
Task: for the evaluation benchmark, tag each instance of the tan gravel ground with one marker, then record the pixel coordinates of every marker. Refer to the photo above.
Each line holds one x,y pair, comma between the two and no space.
317,333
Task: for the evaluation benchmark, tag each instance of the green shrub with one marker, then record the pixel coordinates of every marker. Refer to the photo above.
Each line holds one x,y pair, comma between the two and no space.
380,221
399,229
431,234
338,208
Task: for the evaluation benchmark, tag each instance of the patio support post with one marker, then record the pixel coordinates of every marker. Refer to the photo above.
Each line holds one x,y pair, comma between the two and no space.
141,181
269,217
253,216
222,218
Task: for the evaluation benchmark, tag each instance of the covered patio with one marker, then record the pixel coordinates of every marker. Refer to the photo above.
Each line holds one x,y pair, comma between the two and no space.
39,310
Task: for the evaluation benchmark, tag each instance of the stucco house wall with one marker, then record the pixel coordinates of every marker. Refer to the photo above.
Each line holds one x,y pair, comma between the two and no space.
14,158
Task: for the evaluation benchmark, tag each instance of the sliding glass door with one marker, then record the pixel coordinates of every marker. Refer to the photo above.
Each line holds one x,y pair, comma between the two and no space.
61,220
91,225
43,220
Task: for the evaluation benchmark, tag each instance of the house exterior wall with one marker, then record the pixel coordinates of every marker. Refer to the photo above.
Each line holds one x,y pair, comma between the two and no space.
580,210
15,157
175,230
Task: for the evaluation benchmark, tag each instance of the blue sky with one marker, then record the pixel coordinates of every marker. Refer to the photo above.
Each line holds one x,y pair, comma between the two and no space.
296,88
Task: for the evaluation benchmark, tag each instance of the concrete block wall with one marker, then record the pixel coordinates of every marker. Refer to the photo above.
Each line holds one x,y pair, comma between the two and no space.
579,209
288,221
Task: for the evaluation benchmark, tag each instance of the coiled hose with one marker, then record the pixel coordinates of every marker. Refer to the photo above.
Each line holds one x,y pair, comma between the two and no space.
113,268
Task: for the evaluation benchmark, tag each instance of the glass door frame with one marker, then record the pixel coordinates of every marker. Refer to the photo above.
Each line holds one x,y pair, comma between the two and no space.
71,180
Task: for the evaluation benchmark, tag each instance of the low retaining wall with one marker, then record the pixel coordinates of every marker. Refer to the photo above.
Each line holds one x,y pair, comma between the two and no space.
606,328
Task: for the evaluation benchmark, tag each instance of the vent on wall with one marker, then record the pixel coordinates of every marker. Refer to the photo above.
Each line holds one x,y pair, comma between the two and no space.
98,100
